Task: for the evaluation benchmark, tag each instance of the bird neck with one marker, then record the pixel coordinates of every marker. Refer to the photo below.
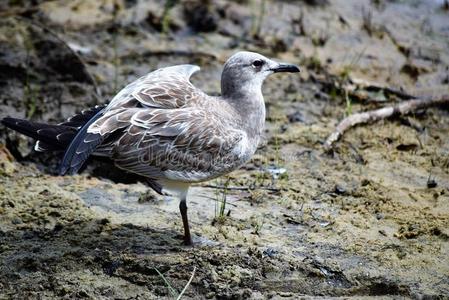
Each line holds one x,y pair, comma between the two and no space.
239,87
245,97
249,105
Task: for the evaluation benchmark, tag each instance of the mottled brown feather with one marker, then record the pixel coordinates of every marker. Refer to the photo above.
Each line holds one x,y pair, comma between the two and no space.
168,130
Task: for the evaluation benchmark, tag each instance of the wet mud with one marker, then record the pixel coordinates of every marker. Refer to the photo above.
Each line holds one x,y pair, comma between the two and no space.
370,218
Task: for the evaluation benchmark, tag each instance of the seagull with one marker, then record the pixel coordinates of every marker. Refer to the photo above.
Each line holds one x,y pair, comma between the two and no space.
164,128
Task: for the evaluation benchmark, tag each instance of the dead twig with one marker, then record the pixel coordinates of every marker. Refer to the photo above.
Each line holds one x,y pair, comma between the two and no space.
400,109
241,188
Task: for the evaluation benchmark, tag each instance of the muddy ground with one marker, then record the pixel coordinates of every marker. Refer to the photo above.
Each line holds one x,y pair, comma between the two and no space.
370,218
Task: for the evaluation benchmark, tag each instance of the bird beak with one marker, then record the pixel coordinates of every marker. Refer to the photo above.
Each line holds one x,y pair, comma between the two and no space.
285,68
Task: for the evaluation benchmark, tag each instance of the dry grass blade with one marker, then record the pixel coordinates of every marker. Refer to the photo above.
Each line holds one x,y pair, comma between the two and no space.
187,285
171,290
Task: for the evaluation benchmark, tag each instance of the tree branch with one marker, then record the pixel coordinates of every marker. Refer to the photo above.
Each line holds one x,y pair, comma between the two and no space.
399,109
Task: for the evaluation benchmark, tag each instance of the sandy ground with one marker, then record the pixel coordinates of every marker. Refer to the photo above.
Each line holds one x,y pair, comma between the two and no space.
369,219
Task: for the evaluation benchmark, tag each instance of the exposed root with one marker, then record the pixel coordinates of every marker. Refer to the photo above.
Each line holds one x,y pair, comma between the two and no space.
400,109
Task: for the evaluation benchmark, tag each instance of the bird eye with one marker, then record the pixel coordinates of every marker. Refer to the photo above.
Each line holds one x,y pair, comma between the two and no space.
257,63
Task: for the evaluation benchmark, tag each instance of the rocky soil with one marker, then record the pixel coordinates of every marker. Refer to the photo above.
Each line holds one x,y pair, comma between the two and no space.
370,218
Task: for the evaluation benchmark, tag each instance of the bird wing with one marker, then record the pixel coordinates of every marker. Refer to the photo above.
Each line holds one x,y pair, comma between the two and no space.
186,144
157,127
144,92
164,88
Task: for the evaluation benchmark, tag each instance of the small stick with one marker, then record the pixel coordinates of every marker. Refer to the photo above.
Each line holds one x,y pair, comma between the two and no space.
240,188
221,187
400,109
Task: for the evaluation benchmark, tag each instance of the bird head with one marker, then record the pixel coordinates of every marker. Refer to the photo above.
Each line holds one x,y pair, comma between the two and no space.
245,72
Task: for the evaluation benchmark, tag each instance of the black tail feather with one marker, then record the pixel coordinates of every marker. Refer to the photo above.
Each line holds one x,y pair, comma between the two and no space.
71,135
83,117
54,137
81,147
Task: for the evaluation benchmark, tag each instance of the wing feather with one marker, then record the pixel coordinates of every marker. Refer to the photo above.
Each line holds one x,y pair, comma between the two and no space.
164,88
163,130
190,148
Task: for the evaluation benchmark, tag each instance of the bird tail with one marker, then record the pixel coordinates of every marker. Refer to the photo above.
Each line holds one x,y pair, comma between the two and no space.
52,137
49,137
81,147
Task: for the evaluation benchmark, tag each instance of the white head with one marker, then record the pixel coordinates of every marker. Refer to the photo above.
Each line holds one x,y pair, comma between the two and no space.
244,73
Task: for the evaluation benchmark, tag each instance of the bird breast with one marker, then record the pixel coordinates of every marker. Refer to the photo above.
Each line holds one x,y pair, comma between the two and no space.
245,148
